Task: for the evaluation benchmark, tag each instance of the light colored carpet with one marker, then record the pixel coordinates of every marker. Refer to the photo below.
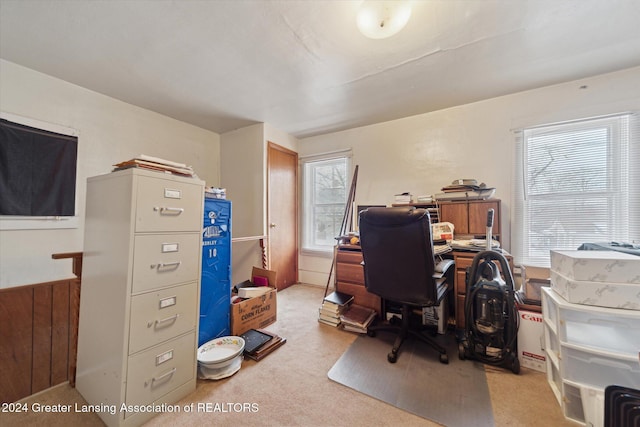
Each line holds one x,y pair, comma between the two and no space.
290,387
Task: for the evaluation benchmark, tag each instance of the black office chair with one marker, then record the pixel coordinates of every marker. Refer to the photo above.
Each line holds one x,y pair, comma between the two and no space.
399,266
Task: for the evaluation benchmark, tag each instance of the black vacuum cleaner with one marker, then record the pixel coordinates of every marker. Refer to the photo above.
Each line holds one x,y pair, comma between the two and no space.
491,327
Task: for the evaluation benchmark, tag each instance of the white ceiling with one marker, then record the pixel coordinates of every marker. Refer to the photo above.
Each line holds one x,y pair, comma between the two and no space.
302,66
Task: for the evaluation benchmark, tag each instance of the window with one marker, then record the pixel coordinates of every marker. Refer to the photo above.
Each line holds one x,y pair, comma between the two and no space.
38,165
576,183
326,189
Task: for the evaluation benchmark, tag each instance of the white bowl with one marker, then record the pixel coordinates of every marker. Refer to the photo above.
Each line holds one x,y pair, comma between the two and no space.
220,352
220,373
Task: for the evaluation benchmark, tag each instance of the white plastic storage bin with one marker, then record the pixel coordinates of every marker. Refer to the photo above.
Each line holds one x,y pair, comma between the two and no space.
583,404
550,308
592,406
552,345
602,329
572,403
598,368
554,379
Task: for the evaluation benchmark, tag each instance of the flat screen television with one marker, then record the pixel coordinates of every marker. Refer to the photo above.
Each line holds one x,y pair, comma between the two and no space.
37,171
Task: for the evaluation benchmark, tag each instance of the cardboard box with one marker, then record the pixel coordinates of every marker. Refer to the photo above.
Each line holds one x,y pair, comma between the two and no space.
533,279
602,294
596,266
530,341
257,312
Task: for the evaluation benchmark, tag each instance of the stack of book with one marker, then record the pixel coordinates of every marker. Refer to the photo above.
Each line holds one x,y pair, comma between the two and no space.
332,307
259,343
357,318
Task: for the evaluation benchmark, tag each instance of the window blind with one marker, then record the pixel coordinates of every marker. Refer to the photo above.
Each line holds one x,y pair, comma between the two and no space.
576,182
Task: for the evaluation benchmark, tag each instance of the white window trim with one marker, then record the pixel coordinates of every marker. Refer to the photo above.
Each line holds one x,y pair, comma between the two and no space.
344,153
12,222
520,219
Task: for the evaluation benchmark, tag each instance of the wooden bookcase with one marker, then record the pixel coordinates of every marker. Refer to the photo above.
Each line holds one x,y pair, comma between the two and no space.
468,216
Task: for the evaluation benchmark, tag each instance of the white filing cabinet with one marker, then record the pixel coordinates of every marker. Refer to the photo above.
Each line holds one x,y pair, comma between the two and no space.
588,348
139,303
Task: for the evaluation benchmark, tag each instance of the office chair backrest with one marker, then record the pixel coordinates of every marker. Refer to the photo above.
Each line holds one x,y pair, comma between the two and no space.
397,248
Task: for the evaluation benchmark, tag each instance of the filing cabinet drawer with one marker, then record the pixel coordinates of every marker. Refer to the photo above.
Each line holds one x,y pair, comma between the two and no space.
160,315
165,259
166,205
159,370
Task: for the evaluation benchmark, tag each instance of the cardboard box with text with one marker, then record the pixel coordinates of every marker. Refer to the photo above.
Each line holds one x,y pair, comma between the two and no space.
257,312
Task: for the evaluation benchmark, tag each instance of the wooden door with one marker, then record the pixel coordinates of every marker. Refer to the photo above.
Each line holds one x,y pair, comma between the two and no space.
282,215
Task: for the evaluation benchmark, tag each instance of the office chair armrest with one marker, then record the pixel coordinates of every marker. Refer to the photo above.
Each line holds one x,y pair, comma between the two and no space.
442,267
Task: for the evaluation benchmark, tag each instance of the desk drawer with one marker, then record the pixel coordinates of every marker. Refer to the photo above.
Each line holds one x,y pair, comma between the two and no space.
159,370
160,315
165,205
165,259
349,257
350,273
463,262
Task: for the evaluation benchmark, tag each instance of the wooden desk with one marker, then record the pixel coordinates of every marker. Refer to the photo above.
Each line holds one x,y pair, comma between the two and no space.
350,279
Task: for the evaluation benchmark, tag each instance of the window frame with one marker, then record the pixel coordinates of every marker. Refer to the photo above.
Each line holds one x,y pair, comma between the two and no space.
622,147
15,222
308,210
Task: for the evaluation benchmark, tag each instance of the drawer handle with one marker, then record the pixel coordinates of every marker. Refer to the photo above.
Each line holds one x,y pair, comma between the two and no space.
161,377
168,210
164,265
171,319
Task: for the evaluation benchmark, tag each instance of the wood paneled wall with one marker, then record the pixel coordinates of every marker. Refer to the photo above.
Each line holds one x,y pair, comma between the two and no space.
38,335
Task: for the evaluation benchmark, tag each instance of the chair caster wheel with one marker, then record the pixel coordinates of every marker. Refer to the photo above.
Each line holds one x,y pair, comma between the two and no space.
392,357
444,359
371,333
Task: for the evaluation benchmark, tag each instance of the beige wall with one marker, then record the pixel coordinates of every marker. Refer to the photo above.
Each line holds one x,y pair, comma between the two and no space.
419,154
110,131
244,175
423,153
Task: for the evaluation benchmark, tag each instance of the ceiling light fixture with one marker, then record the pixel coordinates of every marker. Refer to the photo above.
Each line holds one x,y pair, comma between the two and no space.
378,19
